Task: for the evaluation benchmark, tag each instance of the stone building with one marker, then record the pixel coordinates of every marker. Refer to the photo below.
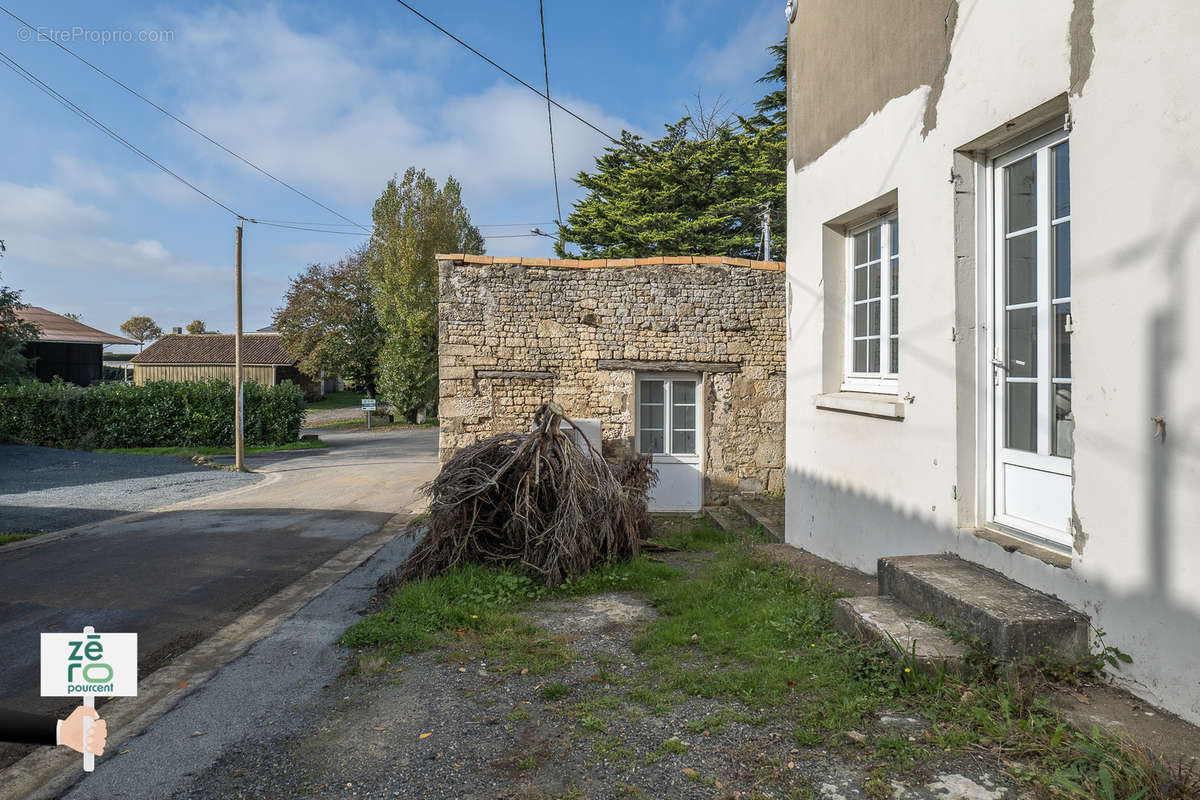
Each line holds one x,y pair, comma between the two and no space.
682,358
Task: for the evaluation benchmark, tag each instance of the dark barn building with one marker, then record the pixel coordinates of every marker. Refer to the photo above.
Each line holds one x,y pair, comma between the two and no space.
65,348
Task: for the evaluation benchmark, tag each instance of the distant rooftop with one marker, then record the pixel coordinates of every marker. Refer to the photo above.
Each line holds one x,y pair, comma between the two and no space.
258,349
57,328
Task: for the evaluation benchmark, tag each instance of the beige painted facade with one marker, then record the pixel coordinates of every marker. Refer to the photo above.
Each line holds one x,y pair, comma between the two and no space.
912,127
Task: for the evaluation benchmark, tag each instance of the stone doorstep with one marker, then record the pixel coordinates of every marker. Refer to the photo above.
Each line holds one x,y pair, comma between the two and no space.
888,621
1014,621
723,518
747,506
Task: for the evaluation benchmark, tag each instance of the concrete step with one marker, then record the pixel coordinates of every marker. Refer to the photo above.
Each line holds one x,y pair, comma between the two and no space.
1013,621
724,518
896,626
764,512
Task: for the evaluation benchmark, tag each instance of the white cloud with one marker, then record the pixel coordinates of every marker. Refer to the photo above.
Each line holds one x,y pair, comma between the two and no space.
44,226
743,57
44,210
81,177
321,112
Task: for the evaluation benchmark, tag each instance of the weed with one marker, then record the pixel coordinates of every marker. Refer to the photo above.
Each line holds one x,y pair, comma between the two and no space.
555,691
527,763
518,714
878,784
371,663
674,746
592,722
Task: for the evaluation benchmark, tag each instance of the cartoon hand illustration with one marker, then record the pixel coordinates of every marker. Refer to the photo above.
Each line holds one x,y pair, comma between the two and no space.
71,732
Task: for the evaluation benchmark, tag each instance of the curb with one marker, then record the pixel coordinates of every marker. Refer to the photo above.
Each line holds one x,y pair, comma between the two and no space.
51,772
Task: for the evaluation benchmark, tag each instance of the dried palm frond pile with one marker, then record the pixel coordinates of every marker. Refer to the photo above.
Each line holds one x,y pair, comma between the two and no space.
540,502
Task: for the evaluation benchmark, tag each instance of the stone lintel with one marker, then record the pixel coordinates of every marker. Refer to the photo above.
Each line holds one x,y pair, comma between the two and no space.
669,366
513,374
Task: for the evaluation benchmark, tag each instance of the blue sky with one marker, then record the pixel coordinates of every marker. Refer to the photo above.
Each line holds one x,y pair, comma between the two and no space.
334,99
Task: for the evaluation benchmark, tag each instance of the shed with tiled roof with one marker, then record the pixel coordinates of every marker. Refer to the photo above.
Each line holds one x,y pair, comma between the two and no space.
196,357
65,347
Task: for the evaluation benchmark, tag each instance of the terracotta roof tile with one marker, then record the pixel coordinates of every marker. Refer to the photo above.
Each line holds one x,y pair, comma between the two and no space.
611,263
216,348
57,328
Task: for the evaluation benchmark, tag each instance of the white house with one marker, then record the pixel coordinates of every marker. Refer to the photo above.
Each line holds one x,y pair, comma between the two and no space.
994,302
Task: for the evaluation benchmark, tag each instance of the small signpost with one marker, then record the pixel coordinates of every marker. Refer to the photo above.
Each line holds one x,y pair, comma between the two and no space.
88,664
368,405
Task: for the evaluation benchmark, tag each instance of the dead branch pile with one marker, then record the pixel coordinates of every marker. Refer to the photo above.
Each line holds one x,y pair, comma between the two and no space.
539,501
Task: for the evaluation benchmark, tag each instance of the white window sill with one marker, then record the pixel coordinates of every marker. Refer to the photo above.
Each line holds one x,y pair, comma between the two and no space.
885,406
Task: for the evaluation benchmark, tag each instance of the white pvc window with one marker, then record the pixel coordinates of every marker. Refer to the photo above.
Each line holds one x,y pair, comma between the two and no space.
873,306
667,416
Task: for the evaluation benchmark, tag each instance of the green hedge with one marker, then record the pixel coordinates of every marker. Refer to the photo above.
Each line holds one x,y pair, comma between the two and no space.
159,414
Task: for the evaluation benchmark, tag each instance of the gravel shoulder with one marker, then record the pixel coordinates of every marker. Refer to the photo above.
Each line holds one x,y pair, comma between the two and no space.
445,724
45,489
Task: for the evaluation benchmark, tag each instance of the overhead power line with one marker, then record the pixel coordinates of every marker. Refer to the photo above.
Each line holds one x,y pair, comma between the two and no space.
549,109
538,92
308,228
182,122
47,89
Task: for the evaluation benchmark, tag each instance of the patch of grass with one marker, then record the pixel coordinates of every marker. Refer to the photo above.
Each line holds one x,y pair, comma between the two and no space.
9,538
899,752
756,635
527,763
674,746
192,452
591,722
518,714
371,663
612,748
347,399
475,602
555,691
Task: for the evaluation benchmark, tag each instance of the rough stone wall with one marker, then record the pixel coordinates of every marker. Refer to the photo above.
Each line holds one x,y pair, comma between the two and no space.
515,334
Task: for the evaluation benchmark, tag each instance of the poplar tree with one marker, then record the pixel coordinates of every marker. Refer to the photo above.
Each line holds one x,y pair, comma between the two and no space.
414,220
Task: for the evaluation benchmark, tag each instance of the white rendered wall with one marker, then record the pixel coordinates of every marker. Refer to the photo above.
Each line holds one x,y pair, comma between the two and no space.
860,487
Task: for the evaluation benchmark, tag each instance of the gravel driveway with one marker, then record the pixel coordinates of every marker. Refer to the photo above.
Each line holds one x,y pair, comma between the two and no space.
44,489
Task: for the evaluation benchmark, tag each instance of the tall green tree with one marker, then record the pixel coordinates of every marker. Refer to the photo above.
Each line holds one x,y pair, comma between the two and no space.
328,321
700,189
14,332
141,329
414,220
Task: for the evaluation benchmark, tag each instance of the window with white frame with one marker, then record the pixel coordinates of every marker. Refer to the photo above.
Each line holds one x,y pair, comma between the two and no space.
873,306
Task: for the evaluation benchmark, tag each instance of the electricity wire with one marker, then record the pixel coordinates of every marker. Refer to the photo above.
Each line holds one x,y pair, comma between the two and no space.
194,130
47,89
550,110
538,92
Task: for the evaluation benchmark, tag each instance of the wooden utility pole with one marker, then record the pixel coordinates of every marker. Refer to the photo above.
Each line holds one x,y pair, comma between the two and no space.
239,441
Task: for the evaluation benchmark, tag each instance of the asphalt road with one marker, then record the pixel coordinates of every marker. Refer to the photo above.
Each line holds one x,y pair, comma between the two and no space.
44,489
176,576
275,688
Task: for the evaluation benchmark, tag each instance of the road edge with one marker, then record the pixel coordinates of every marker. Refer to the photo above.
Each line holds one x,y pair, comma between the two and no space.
51,772
66,533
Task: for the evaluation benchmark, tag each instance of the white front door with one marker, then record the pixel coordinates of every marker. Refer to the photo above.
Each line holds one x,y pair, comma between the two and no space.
668,428
1031,365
